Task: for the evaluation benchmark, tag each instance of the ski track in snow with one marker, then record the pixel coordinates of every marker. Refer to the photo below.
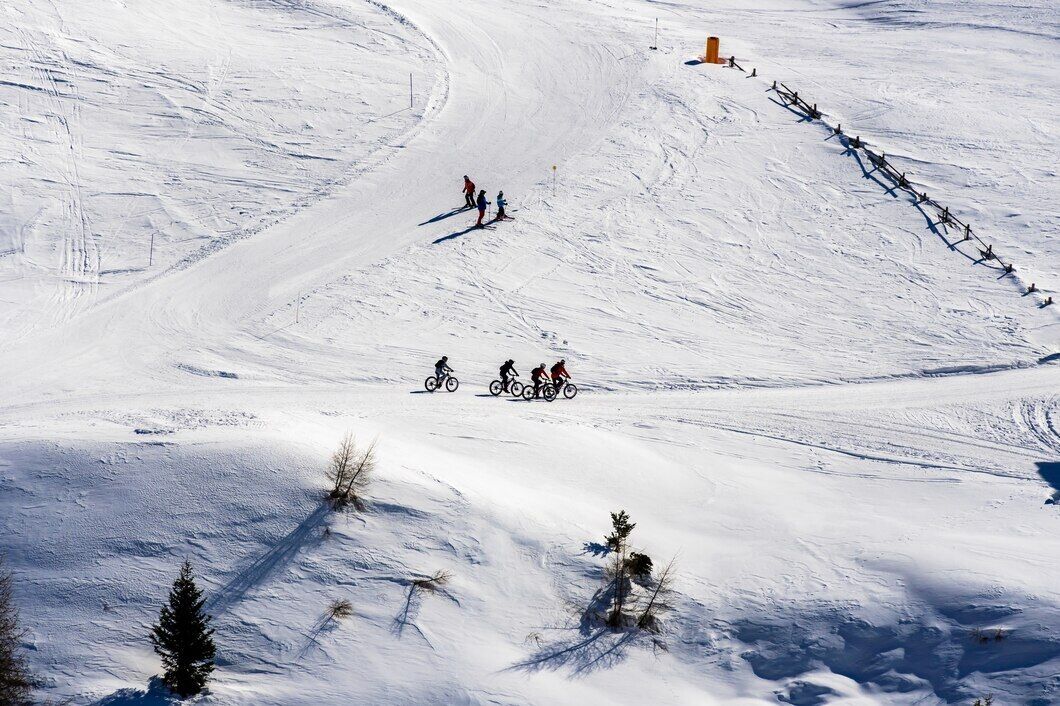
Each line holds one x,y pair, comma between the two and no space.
847,433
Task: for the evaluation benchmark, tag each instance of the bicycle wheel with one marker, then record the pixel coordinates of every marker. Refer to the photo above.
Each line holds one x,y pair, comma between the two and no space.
516,388
570,390
496,388
451,384
548,392
528,393
430,384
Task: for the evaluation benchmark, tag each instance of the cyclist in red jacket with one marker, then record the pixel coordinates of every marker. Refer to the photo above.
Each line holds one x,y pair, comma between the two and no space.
539,377
560,374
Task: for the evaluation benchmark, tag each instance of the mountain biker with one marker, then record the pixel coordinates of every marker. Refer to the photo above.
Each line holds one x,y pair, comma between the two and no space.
501,203
469,192
508,373
442,369
481,203
539,377
559,372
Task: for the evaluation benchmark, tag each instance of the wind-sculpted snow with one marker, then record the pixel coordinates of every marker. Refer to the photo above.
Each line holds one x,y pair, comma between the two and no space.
844,429
182,122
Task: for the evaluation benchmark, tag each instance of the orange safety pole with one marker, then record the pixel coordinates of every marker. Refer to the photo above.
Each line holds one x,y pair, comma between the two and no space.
713,46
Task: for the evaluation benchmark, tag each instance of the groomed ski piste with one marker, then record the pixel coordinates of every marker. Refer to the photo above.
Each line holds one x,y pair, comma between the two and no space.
227,238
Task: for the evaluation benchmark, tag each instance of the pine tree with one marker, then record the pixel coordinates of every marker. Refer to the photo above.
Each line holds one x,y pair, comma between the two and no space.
621,527
618,540
183,637
15,681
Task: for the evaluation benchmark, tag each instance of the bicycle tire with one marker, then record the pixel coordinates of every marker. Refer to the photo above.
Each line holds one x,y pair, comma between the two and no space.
570,390
548,392
516,388
451,384
528,393
496,388
430,384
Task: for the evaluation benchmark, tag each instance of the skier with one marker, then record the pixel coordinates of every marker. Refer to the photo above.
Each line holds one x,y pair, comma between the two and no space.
481,203
508,373
469,192
441,369
538,376
501,203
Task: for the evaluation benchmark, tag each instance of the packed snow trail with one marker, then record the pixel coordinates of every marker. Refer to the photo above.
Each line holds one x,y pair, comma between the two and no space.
492,116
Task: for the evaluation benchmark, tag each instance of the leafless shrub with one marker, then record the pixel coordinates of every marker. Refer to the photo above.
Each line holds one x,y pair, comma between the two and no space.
339,609
985,636
658,602
350,471
433,583
16,682
984,701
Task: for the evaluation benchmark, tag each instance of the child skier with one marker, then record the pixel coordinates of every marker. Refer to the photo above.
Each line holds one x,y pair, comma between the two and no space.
501,203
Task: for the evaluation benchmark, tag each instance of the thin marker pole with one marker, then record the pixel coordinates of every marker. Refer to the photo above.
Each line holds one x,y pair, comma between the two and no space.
410,90
655,44
298,308
151,253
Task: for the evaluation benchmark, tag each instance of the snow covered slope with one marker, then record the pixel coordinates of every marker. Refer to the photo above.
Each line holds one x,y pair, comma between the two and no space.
793,379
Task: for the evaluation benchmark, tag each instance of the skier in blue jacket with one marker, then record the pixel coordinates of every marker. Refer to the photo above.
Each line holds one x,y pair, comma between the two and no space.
501,203
481,203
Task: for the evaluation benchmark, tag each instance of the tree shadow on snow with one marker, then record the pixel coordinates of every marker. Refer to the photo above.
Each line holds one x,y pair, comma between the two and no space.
156,694
407,615
325,623
277,558
583,648
596,549
1050,473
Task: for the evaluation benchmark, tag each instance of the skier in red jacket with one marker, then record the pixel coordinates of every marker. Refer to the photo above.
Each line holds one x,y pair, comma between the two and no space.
469,192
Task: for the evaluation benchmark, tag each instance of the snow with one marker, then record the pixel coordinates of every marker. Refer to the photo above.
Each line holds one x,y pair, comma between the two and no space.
844,429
